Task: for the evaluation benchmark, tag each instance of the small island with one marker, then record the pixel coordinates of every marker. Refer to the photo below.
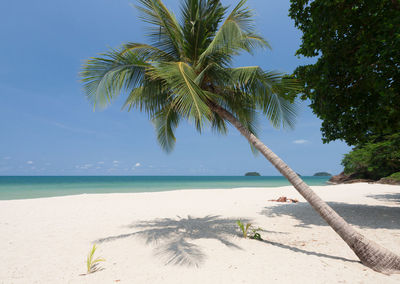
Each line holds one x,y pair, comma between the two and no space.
252,174
322,174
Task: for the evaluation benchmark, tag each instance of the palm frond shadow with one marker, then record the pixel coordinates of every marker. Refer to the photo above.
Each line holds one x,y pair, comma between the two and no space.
362,215
174,237
390,197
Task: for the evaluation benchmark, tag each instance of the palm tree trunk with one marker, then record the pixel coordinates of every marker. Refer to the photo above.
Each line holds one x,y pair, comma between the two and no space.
370,253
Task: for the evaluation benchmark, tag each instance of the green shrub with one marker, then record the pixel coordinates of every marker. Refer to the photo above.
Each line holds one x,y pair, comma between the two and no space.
374,160
395,176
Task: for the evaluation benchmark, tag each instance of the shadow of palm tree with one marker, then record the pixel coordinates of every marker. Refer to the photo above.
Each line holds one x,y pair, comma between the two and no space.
364,216
390,197
299,250
174,237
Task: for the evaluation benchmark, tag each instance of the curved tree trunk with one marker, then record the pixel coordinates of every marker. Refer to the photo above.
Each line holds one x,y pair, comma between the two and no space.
370,253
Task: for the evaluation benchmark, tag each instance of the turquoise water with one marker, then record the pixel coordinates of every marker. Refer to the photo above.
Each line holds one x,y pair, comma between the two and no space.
23,187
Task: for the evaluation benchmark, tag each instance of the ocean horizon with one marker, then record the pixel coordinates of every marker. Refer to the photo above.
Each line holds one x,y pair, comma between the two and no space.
28,187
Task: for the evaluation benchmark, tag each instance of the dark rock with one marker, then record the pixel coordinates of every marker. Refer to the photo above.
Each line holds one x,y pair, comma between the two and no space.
340,178
343,178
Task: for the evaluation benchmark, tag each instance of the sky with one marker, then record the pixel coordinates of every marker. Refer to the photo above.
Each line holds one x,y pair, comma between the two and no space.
47,127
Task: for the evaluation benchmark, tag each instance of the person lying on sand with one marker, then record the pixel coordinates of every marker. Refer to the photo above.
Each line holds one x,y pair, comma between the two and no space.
284,199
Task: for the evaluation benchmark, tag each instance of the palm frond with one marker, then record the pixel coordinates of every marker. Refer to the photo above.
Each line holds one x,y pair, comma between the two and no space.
235,34
187,97
165,123
218,124
150,97
276,104
165,31
147,51
269,91
104,77
199,22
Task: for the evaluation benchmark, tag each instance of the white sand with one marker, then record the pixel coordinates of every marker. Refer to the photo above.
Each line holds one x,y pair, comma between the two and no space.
188,237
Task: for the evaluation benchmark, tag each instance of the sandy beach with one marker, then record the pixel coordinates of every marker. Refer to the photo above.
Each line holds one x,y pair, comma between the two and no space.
191,236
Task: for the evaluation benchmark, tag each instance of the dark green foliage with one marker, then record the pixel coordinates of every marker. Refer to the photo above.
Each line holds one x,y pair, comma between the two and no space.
395,176
354,87
257,237
374,160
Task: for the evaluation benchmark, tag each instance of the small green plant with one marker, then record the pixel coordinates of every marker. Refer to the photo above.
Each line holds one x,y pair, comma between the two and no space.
243,227
256,235
92,264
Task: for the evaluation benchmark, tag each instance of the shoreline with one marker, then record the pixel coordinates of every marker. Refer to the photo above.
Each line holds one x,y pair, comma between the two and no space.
38,187
190,236
163,192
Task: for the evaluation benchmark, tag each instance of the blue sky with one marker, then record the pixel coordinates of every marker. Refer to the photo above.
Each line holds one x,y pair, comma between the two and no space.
48,128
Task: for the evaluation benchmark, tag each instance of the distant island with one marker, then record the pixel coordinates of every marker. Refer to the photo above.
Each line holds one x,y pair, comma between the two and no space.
252,174
322,174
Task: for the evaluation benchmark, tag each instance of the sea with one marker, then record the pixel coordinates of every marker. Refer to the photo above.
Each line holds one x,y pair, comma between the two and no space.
27,187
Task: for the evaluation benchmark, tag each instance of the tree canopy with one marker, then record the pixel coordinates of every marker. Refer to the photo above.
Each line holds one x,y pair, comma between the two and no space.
354,86
186,72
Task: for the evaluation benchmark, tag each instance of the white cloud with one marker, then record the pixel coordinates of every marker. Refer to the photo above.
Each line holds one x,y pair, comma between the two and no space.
29,162
115,162
73,129
7,158
100,163
300,141
84,167
137,165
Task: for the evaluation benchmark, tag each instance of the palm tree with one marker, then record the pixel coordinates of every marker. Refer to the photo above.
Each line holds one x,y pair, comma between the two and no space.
186,73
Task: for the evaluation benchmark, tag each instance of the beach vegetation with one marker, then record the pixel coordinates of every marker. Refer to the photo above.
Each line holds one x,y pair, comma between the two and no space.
92,263
375,159
395,176
187,72
354,84
245,228
255,234
392,179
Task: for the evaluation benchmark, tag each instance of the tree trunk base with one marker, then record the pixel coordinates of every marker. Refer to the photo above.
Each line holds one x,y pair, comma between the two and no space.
376,257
